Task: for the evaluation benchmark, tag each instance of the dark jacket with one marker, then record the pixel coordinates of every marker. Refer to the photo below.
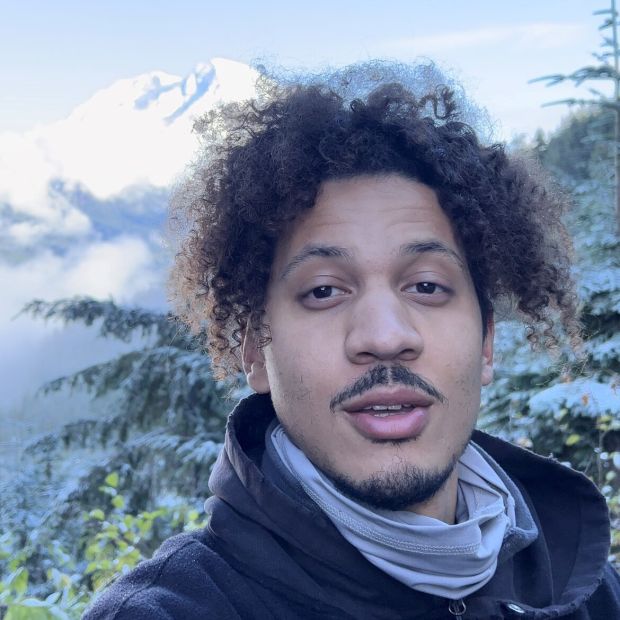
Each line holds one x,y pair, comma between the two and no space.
268,555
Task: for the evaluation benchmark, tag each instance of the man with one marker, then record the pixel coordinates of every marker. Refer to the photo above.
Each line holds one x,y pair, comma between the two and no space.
347,252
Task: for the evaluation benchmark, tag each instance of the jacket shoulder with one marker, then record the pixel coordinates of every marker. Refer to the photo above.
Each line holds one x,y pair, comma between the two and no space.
185,579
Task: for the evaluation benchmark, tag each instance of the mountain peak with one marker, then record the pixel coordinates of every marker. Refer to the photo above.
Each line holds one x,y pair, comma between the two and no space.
136,131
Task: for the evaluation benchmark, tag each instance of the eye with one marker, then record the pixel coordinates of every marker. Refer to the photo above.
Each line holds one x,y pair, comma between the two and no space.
429,293
426,288
323,292
322,296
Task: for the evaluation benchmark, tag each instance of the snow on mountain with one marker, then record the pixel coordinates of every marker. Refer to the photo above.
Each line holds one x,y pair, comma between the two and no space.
136,132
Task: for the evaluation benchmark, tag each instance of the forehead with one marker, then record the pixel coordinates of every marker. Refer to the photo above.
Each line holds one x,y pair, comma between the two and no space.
370,216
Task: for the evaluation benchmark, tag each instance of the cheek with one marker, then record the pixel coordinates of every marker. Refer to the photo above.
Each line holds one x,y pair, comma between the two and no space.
463,376
302,381
286,385
300,359
288,380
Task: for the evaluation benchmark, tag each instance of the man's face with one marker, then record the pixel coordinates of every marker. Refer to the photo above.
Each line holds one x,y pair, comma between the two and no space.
377,354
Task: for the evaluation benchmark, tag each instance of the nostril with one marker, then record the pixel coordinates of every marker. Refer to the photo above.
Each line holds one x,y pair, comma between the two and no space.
365,358
368,357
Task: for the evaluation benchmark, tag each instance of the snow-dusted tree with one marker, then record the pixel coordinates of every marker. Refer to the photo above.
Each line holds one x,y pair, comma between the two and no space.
606,69
571,411
161,431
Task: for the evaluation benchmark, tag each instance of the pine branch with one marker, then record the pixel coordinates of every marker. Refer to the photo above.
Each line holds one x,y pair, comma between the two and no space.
116,321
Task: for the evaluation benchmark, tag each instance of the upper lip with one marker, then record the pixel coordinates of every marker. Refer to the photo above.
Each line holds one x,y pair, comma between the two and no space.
402,395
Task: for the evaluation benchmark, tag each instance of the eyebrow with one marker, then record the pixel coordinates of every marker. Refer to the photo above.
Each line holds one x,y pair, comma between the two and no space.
333,251
432,247
312,251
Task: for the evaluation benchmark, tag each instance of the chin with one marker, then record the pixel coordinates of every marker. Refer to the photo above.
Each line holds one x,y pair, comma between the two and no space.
400,488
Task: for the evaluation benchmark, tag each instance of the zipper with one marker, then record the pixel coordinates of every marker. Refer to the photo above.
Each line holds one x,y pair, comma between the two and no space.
457,608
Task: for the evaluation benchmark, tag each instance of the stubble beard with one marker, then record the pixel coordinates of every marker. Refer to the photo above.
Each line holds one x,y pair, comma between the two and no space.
401,487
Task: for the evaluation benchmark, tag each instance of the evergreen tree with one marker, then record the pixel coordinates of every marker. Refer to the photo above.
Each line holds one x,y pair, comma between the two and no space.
160,436
581,149
607,69
544,403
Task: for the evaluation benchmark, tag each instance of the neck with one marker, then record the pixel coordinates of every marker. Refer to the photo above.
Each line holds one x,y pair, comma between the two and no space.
442,505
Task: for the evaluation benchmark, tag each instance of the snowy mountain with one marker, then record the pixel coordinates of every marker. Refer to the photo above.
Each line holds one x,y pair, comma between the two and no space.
135,133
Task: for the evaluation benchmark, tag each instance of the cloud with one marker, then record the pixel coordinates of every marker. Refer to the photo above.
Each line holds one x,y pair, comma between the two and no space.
32,351
61,219
537,35
122,268
25,172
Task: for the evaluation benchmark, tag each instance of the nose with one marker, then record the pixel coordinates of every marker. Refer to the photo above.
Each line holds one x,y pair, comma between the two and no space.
381,327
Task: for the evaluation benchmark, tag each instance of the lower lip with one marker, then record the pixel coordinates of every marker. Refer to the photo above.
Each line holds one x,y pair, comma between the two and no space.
395,426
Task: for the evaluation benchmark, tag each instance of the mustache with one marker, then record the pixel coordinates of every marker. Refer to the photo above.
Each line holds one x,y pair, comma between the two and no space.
386,375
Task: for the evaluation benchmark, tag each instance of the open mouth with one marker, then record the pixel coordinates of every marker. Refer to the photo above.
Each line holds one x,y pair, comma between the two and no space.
389,413
383,411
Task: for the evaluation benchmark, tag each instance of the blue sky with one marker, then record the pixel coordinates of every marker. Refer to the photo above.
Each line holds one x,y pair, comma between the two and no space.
56,54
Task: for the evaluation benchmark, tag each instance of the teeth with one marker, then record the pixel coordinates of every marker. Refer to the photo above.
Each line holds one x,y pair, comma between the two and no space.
387,407
383,408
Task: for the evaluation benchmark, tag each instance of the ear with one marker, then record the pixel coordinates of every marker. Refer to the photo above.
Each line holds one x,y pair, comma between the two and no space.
254,363
487,353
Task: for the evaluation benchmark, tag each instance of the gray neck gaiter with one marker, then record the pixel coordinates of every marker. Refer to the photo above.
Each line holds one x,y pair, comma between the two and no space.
424,553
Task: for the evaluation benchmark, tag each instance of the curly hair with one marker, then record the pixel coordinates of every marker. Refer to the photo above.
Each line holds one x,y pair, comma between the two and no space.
265,160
